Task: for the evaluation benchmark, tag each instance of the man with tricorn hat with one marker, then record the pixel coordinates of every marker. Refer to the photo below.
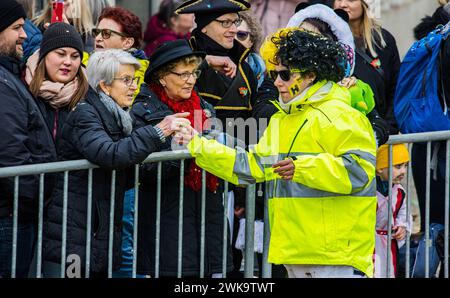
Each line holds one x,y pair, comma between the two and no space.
232,96
217,22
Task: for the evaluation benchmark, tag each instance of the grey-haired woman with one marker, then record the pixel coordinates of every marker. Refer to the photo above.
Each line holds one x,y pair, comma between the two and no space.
100,129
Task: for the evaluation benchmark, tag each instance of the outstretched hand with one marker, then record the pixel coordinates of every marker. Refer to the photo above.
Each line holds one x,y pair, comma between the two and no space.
285,169
174,123
185,135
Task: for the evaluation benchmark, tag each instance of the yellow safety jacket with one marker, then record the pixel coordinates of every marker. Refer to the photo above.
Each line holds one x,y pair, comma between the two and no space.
326,214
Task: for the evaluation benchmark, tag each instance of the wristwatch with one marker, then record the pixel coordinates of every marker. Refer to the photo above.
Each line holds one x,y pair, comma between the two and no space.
160,133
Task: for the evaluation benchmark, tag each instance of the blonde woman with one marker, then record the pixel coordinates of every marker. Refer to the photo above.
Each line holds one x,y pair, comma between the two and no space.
377,57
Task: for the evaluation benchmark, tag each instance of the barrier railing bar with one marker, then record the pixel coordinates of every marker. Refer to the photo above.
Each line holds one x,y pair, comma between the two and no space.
15,221
88,224
180,221
135,220
158,219
266,266
408,215
64,227
202,226
40,224
249,231
111,223
427,212
389,226
225,230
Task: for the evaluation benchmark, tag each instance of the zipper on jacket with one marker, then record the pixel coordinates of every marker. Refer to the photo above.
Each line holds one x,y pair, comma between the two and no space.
289,151
295,137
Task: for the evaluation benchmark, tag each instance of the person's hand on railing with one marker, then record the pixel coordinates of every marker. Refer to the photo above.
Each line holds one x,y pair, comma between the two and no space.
174,123
222,64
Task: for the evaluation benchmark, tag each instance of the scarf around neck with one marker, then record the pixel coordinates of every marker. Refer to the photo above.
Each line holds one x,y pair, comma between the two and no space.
191,105
122,117
57,95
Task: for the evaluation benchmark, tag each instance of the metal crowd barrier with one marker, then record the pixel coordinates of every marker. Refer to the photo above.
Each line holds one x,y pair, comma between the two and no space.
427,137
159,157
67,166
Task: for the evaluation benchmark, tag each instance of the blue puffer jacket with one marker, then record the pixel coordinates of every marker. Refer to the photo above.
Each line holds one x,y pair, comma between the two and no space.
33,40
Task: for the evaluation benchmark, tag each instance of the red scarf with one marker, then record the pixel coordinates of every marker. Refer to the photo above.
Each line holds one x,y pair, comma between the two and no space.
192,104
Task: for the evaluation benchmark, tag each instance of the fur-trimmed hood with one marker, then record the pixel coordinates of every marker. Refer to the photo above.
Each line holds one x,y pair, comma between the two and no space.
428,24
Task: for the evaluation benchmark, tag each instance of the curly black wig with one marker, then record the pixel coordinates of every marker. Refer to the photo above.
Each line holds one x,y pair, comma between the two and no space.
310,53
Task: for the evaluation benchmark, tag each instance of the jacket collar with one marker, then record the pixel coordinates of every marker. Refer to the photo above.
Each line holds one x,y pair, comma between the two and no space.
202,42
320,92
11,64
93,98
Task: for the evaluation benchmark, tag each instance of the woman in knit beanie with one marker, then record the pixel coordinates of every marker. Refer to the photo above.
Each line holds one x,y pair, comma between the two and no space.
55,75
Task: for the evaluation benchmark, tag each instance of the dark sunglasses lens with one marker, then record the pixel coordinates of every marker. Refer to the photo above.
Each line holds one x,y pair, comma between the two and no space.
273,74
106,33
285,75
242,35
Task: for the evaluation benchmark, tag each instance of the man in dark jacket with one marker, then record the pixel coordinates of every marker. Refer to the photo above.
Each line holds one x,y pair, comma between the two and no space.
437,185
217,22
26,139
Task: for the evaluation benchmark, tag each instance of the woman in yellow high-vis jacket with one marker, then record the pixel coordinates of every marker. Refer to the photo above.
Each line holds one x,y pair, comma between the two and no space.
317,157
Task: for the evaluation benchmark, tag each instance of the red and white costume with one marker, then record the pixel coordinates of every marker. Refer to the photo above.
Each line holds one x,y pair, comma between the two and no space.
381,236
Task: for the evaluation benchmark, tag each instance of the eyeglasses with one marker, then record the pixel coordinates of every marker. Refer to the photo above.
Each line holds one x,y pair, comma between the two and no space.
229,23
242,35
186,75
285,74
106,33
129,80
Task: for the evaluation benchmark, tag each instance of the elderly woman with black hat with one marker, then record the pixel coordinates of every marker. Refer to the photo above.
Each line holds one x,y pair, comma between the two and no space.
100,130
317,157
169,89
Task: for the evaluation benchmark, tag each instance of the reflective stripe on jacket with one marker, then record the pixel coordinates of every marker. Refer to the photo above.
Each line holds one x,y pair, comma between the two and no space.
326,213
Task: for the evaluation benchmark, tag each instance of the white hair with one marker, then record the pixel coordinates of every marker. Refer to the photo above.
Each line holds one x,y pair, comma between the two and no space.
104,65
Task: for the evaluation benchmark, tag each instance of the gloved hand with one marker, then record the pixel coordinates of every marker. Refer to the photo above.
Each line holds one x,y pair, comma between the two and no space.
362,97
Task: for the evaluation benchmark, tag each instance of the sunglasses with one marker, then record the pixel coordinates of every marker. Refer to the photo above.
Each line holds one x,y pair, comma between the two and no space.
285,74
106,33
242,35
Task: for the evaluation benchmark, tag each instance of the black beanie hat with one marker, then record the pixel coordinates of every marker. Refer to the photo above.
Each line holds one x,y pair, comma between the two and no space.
60,35
10,11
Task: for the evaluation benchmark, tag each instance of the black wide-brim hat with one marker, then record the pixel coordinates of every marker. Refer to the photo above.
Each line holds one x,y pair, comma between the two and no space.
168,52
